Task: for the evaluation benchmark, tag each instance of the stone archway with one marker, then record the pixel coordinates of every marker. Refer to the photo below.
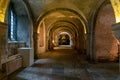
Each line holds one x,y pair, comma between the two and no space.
64,39
68,27
55,10
4,5
101,33
105,35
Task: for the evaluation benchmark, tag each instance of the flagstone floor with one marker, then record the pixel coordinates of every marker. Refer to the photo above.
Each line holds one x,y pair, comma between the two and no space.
66,64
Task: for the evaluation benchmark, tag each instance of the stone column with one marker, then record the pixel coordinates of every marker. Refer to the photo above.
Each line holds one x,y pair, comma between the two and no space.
116,30
119,55
3,41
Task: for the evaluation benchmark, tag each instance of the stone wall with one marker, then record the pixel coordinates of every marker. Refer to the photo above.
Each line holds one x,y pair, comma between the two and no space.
3,41
24,29
13,47
106,43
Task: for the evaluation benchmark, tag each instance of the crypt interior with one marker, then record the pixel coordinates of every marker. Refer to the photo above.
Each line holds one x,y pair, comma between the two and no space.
59,39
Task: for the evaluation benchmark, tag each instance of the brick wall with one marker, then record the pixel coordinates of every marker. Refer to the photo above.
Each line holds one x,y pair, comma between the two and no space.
106,43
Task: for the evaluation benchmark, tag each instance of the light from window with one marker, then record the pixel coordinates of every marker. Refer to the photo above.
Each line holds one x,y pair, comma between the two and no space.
12,27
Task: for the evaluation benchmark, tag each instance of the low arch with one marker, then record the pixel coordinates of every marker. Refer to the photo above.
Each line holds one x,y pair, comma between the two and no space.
78,14
92,26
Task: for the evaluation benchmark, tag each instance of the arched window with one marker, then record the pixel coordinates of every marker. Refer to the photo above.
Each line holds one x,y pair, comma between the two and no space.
12,25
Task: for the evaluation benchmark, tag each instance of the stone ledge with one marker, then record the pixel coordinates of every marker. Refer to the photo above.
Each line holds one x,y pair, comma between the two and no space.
16,41
10,58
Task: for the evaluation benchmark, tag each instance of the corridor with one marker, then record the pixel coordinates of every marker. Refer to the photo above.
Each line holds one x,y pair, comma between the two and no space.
66,64
59,39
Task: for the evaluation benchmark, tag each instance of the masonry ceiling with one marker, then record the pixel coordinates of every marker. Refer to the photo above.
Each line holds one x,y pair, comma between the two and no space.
19,7
84,6
38,6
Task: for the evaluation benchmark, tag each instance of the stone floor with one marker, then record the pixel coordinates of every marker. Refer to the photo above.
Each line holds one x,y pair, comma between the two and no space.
66,65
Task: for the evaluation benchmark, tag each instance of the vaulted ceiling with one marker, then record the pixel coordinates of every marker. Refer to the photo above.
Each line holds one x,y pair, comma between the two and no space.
84,6
36,7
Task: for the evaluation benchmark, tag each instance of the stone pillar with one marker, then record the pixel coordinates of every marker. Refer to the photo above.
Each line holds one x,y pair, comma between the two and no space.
27,55
119,55
3,41
116,29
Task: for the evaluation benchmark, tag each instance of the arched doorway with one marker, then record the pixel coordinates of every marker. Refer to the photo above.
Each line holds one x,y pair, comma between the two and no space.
64,39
